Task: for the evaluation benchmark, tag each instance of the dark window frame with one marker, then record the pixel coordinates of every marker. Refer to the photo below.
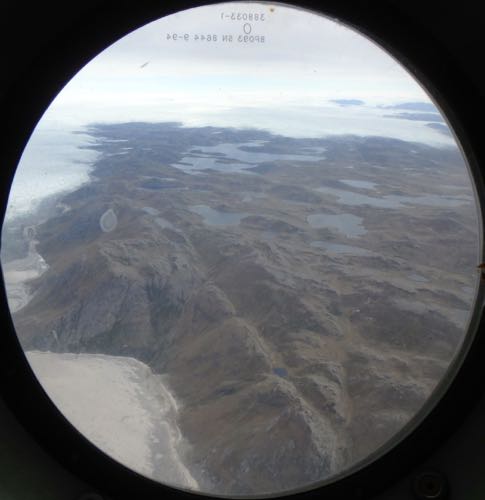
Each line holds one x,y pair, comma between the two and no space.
75,45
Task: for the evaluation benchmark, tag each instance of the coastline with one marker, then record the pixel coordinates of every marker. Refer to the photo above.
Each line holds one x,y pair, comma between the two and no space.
50,150
156,453
127,187
56,160
167,467
21,263
121,406
19,273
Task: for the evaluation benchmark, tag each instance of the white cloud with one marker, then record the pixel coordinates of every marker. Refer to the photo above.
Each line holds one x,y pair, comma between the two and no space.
284,85
305,53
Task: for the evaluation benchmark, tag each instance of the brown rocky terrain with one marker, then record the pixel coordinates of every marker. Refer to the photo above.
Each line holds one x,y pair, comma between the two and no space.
296,345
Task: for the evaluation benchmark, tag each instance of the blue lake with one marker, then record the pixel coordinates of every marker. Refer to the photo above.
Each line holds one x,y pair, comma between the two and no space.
281,372
213,217
359,184
418,278
392,200
348,224
231,158
336,248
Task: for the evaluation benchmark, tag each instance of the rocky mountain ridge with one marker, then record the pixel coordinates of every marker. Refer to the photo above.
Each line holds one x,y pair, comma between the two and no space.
292,361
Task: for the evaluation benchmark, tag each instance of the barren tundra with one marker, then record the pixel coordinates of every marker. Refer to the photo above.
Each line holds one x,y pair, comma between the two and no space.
303,297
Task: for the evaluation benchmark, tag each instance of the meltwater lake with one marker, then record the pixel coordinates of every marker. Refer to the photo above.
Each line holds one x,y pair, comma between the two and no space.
231,158
340,249
392,201
213,217
348,224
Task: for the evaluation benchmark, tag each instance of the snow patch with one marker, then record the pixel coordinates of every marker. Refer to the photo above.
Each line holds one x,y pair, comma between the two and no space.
121,406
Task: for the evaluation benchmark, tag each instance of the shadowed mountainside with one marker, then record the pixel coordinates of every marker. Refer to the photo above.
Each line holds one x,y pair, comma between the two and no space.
292,360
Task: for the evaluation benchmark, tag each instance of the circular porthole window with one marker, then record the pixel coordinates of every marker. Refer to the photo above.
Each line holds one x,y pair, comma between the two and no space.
241,249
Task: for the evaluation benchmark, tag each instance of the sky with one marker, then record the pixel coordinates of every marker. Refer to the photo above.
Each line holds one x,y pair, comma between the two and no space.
285,84
302,53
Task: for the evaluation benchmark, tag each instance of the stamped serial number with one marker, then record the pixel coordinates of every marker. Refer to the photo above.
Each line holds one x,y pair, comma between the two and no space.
251,39
186,37
243,16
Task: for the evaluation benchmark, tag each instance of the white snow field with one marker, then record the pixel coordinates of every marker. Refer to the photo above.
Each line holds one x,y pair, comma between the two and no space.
121,407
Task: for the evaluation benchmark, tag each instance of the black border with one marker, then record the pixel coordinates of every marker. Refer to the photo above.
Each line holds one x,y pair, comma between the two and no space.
78,42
